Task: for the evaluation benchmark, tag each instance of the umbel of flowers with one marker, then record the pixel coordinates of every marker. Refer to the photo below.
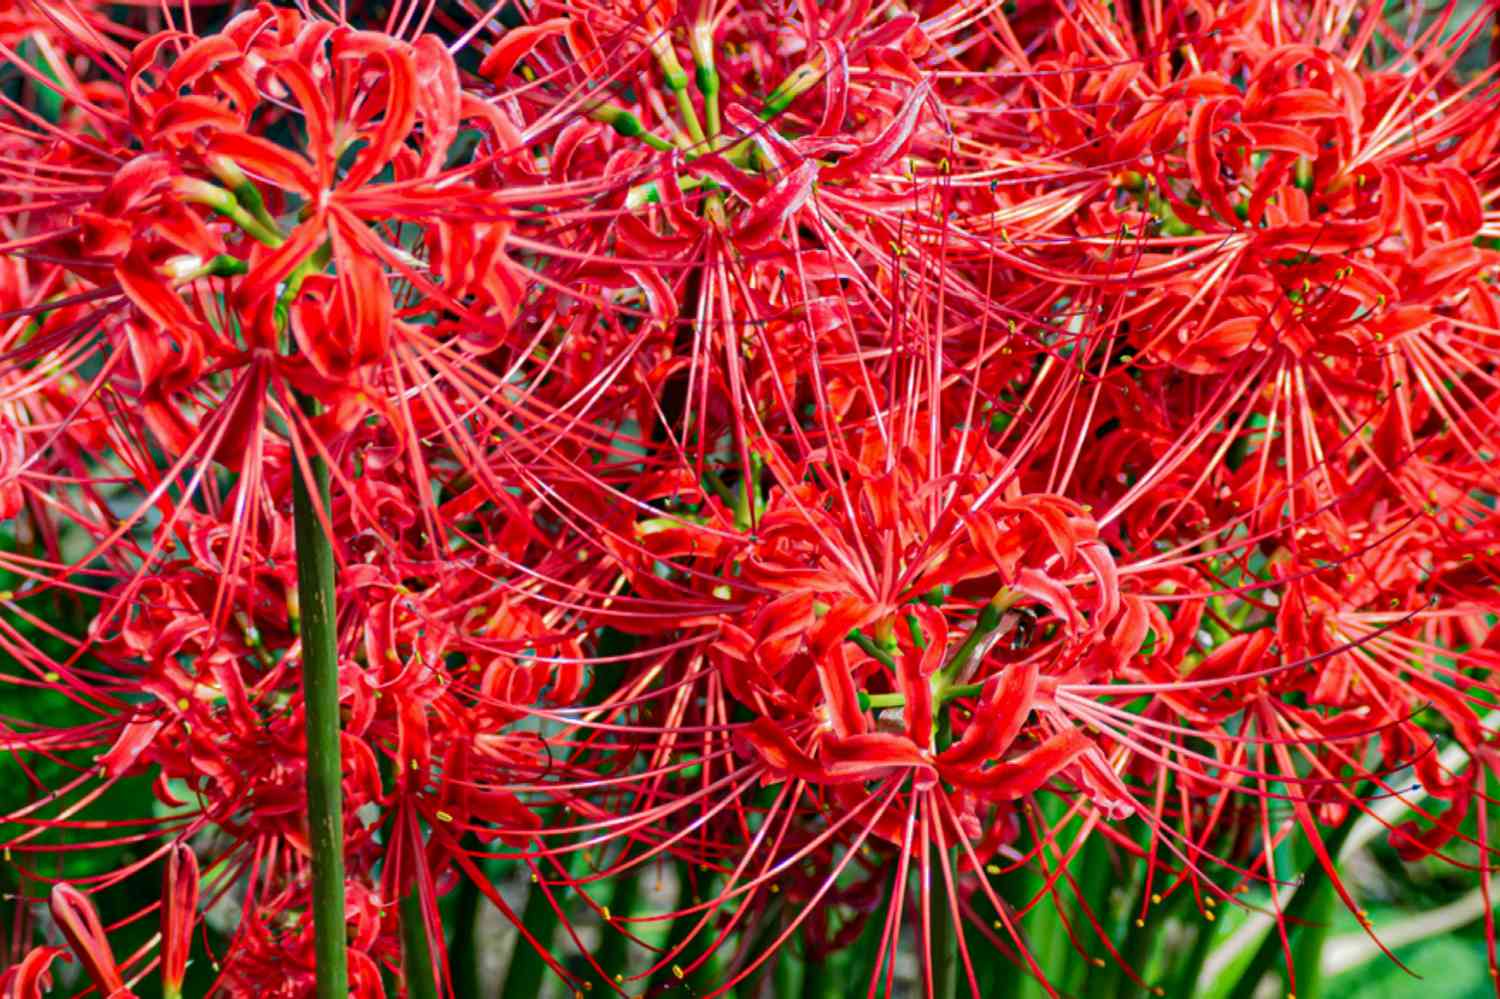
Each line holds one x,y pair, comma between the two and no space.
866,465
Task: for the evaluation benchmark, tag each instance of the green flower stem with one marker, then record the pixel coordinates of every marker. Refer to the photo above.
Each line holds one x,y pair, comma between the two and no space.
613,953
946,924
869,702
245,192
819,980
677,82
944,956
463,953
630,126
747,502
312,264
798,82
218,200
989,619
320,686
701,42
1307,916
875,652
689,115
708,85
527,972
416,952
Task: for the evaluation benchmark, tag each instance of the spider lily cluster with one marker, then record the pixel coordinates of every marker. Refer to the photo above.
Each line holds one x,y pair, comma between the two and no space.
849,458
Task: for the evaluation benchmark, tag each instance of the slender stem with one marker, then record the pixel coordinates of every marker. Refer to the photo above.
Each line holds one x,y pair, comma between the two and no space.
946,925
875,652
292,286
708,85
818,979
944,957
629,125
320,686
416,952
463,953
940,697
867,956
989,620
1306,915
613,951
689,116
705,75
672,977
527,972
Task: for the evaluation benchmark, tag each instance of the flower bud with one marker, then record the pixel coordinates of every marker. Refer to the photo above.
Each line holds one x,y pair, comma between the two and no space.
80,925
179,913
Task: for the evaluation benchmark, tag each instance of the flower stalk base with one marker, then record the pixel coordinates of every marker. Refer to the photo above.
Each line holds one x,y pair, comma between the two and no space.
320,686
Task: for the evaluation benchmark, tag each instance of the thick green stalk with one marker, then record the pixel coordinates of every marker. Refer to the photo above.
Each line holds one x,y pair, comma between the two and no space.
818,978
866,956
946,924
416,952
463,954
673,976
701,42
613,953
1306,915
990,618
320,686
945,931
527,972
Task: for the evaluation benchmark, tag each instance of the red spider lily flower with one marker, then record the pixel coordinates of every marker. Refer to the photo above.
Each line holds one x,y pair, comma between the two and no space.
854,676
851,454
31,977
270,958
397,104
